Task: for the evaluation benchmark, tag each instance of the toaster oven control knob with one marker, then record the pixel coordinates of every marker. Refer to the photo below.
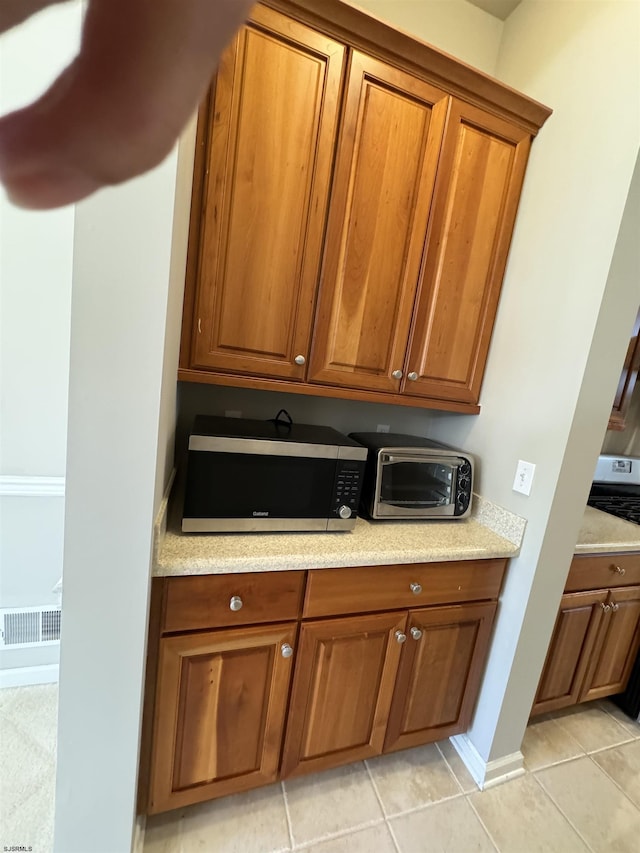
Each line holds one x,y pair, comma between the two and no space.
300,359
285,650
416,588
344,511
465,469
235,603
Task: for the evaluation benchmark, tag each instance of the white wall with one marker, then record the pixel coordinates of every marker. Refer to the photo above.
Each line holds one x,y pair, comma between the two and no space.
560,336
453,26
121,277
35,306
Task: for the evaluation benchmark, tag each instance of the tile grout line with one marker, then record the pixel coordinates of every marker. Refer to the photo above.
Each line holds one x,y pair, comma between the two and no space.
618,786
450,768
480,821
424,806
561,811
382,808
622,723
288,815
341,833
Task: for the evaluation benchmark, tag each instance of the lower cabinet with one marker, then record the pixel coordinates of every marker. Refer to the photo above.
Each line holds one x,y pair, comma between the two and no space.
220,713
342,691
439,674
596,636
237,708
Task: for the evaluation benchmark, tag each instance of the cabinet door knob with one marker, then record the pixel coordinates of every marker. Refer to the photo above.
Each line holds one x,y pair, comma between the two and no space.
401,637
300,359
415,588
606,607
286,650
615,606
619,570
235,603
397,374
416,633
412,376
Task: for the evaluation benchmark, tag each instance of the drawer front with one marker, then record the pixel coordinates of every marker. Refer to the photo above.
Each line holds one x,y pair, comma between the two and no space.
208,601
601,572
333,592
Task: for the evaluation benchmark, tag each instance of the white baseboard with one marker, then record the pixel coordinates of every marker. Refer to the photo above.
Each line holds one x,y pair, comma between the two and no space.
486,774
26,675
31,487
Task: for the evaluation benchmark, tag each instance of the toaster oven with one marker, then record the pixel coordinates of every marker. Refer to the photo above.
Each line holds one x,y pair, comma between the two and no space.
411,477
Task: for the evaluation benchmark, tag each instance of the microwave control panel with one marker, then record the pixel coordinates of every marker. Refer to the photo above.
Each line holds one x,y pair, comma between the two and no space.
348,485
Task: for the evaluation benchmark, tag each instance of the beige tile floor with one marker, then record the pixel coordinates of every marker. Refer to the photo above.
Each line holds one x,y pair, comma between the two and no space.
581,792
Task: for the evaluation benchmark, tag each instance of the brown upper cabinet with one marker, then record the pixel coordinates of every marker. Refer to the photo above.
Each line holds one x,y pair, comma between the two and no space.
627,382
354,197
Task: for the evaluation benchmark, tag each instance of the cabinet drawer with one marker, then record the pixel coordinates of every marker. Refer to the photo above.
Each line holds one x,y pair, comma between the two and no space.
600,572
332,592
204,601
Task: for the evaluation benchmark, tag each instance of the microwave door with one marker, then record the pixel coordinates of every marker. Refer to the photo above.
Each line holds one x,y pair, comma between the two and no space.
415,485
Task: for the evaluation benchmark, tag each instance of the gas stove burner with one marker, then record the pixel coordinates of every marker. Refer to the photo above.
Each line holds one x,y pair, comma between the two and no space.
622,506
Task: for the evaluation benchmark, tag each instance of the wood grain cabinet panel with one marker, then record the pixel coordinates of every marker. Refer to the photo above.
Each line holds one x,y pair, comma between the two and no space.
388,150
342,690
198,602
628,379
572,645
595,571
480,176
273,121
219,713
439,673
367,588
617,646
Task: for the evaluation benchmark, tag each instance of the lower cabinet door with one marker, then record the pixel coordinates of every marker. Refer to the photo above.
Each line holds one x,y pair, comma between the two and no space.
219,714
439,674
570,650
617,645
342,690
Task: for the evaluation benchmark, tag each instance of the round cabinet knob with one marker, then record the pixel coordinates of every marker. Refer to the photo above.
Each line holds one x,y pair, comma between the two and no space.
416,633
416,588
605,607
397,374
286,650
619,570
235,603
300,359
400,637
412,376
344,512
615,606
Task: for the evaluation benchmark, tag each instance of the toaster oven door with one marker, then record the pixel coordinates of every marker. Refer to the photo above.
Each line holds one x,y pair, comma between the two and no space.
415,485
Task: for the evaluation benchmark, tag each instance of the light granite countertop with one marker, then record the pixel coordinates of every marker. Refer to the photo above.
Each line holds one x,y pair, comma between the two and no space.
602,533
491,532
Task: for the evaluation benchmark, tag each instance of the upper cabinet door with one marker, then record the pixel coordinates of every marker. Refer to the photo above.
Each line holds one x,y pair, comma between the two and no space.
389,145
480,176
627,380
272,134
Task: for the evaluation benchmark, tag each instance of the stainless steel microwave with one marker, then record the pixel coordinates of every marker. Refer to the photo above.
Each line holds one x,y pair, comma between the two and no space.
411,477
262,476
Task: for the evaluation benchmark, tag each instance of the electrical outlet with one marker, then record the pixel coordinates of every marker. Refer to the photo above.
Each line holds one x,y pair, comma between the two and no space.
232,413
524,477
382,428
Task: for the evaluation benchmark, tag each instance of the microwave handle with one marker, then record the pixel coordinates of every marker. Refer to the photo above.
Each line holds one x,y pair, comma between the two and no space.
388,459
